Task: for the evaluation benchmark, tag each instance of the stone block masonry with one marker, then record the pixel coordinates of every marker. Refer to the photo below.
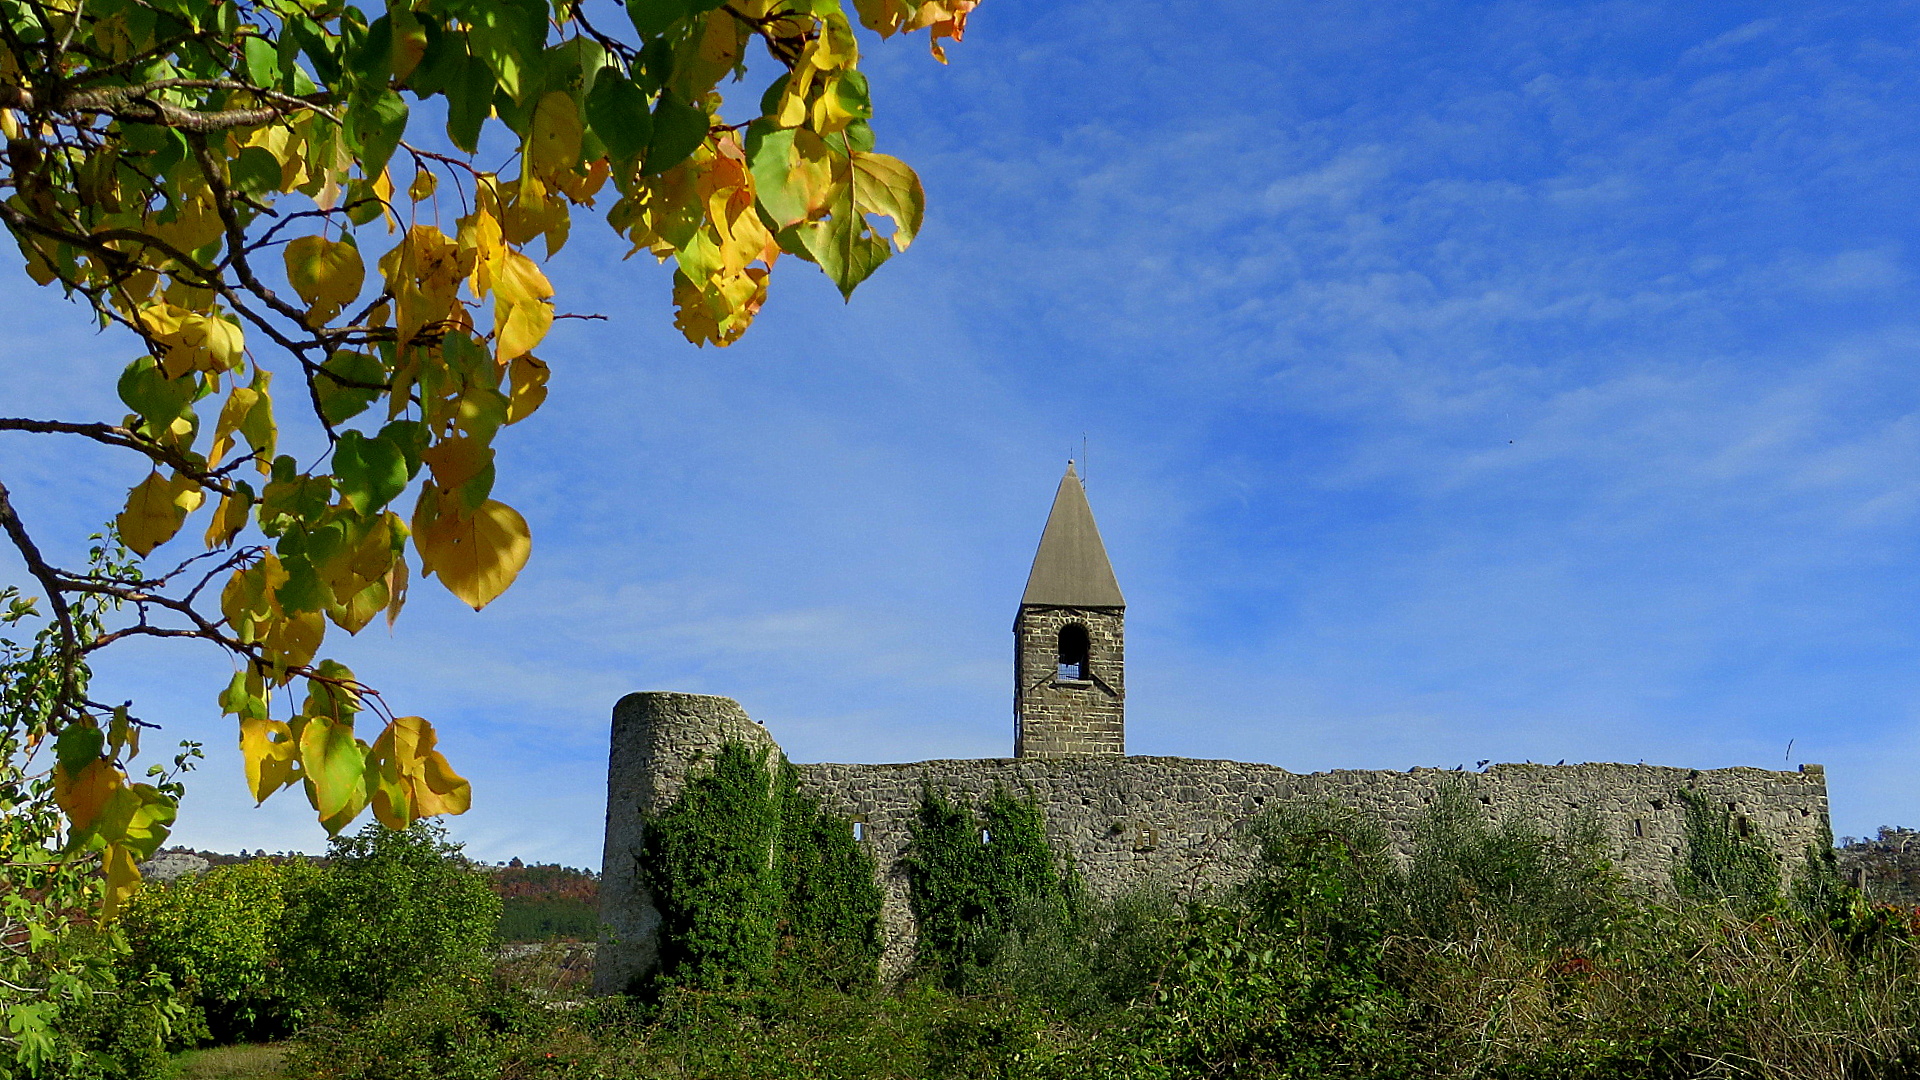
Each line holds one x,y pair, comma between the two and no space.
1173,822
1055,714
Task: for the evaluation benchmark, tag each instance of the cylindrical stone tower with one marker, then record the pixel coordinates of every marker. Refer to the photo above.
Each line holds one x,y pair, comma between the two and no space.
656,738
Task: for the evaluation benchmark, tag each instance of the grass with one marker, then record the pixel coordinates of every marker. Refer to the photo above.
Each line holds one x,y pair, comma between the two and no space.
248,1061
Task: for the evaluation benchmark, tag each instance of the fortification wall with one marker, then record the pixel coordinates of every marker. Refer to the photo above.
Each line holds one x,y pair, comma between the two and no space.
1129,821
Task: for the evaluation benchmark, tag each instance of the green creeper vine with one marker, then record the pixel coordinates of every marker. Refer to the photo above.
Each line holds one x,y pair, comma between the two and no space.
976,878
1725,862
756,884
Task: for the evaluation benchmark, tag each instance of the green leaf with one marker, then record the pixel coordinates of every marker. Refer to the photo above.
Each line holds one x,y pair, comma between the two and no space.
375,123
362,202
307,35
656,65
853,96
844,247
335,768
469,103
339,403
303,590
158,400
678,130
441,66
770,159
371,58
77,745
770,101
262,60
371,472
255,171
653,17
617,109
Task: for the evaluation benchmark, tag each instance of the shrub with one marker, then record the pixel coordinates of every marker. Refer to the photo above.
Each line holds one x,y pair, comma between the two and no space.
1470,876
976,879
756,883
1325,879
117,1027
1108,956
219,937
392,911
442,1030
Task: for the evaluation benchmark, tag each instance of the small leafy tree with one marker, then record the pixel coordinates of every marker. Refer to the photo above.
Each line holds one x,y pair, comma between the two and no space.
244,190
392,911
54,962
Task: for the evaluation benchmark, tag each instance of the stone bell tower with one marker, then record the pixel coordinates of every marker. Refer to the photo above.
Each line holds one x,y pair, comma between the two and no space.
1069,676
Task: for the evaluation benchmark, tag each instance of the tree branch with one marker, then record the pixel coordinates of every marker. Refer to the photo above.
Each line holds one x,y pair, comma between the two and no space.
49,579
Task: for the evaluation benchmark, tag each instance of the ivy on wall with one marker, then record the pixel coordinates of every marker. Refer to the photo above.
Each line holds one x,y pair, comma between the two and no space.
1726,859
756,884
974,878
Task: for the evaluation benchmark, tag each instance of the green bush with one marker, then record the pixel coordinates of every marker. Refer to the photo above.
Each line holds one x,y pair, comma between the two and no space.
1469,876
441,1030
1325,878
219,936
757,884
118,1027
1109,955
393,911
977,879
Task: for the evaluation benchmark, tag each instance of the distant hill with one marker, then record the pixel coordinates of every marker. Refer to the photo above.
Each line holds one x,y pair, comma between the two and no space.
546,902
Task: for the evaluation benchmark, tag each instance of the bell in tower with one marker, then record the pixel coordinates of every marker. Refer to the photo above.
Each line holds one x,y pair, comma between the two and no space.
1069,676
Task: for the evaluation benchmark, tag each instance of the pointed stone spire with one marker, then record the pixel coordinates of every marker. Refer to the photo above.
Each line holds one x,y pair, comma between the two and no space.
1071,567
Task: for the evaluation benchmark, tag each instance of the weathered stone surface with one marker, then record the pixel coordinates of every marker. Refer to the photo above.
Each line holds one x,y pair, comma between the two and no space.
656,738
1055,717
172,865
1129,821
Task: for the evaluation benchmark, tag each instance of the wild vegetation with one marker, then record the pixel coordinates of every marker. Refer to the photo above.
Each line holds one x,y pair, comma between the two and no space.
1501,949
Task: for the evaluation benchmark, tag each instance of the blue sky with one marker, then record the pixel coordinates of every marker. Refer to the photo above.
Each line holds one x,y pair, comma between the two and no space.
1461,381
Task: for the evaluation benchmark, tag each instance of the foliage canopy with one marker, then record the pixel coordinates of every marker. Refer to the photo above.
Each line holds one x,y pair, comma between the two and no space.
251,190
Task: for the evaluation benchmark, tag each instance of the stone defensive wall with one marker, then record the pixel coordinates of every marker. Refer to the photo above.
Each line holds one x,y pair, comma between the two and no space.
1129,821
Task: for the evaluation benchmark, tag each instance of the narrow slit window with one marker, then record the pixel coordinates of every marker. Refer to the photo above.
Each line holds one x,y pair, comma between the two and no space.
1639,829
859,830
1074,649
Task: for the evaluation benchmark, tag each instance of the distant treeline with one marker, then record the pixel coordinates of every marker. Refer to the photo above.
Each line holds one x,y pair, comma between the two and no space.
538,901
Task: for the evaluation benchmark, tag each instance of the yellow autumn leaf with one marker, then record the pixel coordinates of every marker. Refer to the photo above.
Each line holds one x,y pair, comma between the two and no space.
521,313
476,557
423,186
328,275
268,749
292,639
123,877
885,185
554,143
85,795
228,519
156,508
520,328
410,779
240,401
527,378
